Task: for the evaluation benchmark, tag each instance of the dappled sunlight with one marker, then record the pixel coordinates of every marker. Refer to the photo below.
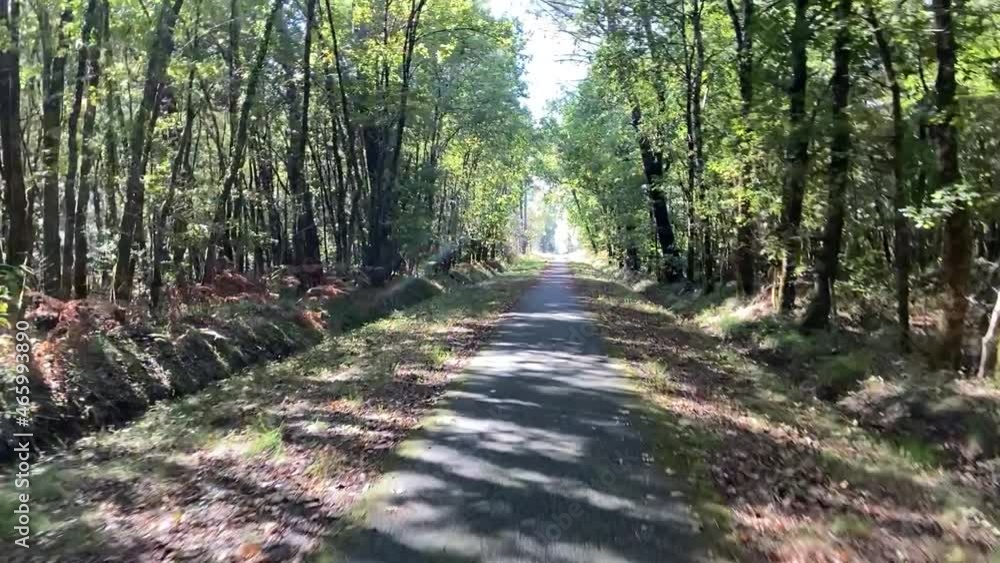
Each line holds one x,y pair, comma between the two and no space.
801,482
536,456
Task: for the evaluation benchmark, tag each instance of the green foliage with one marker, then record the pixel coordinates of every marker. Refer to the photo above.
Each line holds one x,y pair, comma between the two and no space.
837,375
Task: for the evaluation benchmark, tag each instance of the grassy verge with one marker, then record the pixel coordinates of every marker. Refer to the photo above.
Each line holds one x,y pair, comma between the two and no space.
777,474
260,464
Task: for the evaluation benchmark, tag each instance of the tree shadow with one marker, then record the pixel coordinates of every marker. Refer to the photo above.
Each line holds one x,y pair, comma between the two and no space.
538,455
774,454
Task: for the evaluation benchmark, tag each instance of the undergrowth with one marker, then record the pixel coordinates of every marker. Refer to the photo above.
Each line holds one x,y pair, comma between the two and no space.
776,472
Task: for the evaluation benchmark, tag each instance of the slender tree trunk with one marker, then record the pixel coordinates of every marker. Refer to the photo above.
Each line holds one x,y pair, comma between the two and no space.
54,78
177,169
796,161
818,314
654,165
354,163
988,355
217,230
382,249
956,261
745,232
93,54
901,198
305,240
698,138
653,170
160,49
73,149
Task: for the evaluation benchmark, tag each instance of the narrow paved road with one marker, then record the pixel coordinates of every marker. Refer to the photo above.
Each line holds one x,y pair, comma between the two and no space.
535,457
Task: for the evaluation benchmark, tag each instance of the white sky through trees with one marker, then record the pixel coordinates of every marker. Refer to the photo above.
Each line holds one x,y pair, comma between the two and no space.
550,67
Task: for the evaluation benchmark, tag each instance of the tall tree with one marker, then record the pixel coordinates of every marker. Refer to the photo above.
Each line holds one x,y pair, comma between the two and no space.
305,242
54,81
743,31
73,149
89,154
956,260
796,159
236,159
15,198
901,200
818,314
161,47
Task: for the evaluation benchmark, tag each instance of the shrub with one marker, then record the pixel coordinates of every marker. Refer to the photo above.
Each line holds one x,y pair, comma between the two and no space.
838,375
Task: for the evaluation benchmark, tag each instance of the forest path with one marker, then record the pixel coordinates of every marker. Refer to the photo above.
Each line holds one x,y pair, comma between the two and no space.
536,456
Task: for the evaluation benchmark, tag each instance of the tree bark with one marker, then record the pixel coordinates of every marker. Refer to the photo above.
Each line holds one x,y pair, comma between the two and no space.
54,78
745,232
956,261
160,49
902,250
73,149
818,314
988,355
305,239
796,160
15,197
93,54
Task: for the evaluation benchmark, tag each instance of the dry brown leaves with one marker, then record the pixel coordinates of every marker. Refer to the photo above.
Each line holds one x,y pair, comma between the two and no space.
792,496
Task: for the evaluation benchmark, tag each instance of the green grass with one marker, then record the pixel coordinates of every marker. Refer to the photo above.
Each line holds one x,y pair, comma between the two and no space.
266,439
838,375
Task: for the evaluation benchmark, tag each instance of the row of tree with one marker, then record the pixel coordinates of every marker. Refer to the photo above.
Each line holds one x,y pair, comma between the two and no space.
824,140
164,143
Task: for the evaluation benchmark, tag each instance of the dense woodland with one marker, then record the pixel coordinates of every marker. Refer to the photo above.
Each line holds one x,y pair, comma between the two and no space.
787,145
148,146
783,146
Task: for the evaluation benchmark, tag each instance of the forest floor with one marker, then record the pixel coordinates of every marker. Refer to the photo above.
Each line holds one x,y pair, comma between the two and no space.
781,475
257,467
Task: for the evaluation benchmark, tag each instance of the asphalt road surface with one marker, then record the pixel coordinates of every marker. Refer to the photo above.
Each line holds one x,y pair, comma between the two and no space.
537,456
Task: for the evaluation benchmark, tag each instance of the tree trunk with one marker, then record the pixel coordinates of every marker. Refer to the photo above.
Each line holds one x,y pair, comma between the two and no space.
217,229
901,198
177,168
354,164
73,149
86,167
305,239
796,161
956,261
382,251
818,314
160,48
988,356
743,31
698,139
54,78
654,164
15,198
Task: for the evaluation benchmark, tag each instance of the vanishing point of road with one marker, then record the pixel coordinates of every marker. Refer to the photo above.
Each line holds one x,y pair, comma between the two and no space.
538,455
